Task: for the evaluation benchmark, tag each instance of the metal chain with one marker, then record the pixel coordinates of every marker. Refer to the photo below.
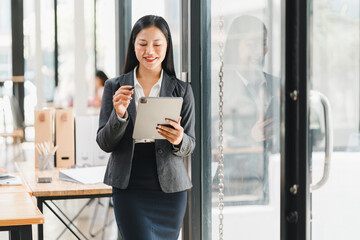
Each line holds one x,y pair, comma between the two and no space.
221,138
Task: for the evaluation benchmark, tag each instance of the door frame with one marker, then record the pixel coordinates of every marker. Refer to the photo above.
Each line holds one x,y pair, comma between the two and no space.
295,193
196,61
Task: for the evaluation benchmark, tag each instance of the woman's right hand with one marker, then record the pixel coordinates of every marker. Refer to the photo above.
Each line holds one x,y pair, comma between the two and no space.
121,99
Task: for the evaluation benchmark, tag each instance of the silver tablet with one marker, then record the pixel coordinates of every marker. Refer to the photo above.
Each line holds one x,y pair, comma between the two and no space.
152,111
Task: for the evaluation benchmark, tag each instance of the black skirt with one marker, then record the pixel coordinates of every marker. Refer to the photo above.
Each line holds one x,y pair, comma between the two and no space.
143,211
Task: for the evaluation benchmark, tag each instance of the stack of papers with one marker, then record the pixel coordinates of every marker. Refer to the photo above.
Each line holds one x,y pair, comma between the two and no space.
6,179
88,175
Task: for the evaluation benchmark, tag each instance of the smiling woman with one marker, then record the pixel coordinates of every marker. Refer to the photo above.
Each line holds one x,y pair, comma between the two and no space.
148,176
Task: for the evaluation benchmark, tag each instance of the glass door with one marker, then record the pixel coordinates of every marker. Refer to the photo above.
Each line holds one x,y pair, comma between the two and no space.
334,73
248,118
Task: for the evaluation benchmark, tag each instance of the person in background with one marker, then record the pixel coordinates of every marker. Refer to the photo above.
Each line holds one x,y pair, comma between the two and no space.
148,176
100,80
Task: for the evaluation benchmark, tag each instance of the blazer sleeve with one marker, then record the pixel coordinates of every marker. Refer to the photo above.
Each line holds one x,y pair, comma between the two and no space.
111,129
188,123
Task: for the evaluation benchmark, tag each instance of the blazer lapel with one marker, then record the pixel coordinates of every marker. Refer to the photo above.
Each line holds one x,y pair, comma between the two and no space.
128,79
167,86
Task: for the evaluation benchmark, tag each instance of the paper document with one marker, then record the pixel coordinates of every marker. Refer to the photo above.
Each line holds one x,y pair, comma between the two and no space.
10,180
88,175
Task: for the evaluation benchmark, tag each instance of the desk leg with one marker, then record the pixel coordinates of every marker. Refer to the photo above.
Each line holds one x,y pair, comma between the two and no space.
26,232
14,235
21,233
40,226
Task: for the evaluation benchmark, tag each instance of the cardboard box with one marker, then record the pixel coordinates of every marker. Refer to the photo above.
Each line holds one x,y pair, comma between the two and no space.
65,138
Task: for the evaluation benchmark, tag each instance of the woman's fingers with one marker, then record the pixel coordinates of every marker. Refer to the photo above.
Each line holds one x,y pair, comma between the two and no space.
267,121
167,136
168,131
171,138
124,92
176,125
121,102
125,89
122,98
173,135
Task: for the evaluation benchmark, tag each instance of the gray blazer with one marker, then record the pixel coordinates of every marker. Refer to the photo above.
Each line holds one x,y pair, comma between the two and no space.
115,136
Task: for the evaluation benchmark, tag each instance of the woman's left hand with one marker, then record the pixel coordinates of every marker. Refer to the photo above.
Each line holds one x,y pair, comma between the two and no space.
173,135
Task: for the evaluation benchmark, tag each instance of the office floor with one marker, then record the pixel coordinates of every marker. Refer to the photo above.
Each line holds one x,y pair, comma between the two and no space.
10,153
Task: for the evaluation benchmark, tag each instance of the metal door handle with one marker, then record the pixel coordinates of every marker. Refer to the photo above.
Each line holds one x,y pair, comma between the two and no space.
328,138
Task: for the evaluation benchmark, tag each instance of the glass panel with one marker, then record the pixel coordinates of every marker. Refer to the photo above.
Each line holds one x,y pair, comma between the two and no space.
5,41
89,18
66,58
105,37
170,11
335,67
6,86
252,37
66,41
48,55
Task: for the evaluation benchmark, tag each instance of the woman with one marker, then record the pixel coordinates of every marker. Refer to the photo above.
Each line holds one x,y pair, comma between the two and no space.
148,177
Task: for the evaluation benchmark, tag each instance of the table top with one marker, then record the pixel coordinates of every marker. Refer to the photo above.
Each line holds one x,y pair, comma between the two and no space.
57,188
17,208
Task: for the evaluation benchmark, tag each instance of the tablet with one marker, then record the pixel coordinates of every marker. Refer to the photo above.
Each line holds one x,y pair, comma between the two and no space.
152,111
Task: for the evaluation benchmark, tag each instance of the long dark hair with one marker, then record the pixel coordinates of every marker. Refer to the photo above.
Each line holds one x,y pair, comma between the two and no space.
147,21
102,76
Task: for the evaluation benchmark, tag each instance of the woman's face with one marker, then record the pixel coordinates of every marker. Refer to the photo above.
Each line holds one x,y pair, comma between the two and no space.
150,48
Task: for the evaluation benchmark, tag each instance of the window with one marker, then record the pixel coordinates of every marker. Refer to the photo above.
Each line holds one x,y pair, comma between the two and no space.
66,45
5,40
105,37
47,28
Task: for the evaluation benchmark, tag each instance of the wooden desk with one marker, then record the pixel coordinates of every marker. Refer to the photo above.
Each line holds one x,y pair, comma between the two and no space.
18,208
58,190
17,213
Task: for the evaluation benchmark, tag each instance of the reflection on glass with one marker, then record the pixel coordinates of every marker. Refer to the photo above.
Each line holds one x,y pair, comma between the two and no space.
170,11
251,121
